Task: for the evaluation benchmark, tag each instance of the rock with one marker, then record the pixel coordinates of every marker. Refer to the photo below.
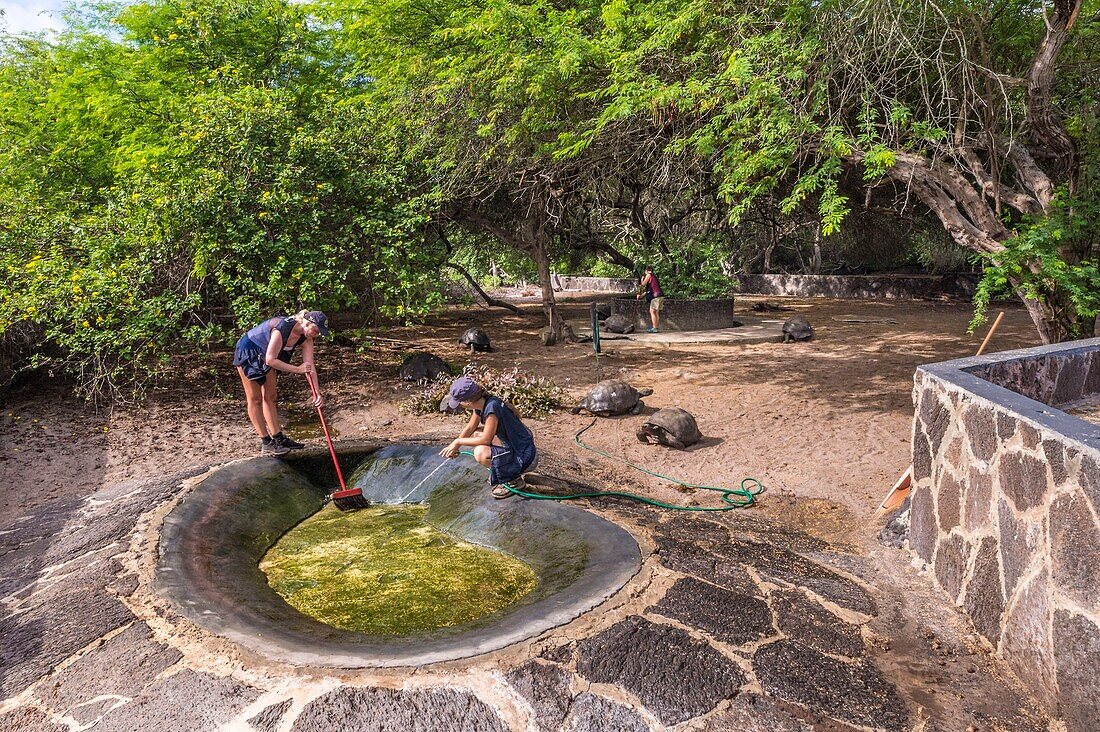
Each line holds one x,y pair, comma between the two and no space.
951,558
1023,479
756,713
1075,550
674,675
1026,641
922,458
936,418
351,709
546,688
984,600
1076,649
896,530
981,428
268,719
120,667
978,500
28,719
591,713
807,622
781,564
1056,459
949,502
850,692
36,640
730,617
922,524
1018,543
187,700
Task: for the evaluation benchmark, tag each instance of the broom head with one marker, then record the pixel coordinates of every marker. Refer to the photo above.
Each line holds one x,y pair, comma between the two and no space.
350,500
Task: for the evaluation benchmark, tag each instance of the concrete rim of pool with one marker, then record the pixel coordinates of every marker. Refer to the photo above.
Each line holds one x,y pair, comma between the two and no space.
211,544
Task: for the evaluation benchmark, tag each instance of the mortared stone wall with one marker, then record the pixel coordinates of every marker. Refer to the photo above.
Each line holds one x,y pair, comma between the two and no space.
1005,511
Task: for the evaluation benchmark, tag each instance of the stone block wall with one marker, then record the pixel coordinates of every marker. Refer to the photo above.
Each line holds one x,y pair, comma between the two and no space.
578,283
1006,512
869,287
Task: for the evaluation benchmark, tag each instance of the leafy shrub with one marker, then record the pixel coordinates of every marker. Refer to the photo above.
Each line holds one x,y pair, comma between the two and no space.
531,396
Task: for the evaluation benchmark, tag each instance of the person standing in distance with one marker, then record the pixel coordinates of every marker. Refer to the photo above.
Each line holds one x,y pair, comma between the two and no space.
651,289
263,351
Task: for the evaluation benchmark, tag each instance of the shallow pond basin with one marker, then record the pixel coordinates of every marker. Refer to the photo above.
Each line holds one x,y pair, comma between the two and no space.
385,571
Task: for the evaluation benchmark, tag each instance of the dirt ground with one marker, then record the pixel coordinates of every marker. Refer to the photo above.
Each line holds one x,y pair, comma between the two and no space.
828,419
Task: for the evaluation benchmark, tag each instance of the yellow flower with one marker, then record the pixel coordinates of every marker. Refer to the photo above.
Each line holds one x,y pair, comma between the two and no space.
87,324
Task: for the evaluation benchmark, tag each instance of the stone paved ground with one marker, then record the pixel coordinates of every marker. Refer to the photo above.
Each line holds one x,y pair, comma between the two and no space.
736,622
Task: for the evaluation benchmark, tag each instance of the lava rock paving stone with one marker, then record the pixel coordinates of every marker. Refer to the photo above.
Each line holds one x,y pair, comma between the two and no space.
780,564
591,713
38,639
188,700
755,713
268,719
728,616
685,556
351,709
25,542
28,719
807,622
850,692
560,654
674,675
546,687
121,666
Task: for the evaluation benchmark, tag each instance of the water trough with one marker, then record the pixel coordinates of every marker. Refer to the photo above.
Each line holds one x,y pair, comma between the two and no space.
212,542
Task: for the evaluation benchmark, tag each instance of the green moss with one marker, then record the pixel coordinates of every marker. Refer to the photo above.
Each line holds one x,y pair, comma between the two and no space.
385,571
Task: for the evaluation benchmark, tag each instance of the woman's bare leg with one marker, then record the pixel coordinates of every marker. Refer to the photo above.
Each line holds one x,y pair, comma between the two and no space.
253,394
271,410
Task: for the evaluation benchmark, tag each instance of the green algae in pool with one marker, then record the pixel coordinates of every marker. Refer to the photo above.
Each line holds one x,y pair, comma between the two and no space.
384,570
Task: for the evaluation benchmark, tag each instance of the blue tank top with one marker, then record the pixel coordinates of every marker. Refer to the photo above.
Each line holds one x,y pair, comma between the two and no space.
512,432
261,335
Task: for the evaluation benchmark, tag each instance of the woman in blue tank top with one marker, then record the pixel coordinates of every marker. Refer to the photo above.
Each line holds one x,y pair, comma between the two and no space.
261,352
501,441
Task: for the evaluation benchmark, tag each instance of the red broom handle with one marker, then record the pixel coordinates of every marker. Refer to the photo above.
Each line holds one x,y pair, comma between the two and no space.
324,426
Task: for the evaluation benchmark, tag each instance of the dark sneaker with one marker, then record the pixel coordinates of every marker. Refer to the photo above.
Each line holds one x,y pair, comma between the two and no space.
273,448
287,442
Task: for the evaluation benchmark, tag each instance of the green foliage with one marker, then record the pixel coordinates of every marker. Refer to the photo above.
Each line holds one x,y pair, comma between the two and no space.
180,170
1035,264
530,395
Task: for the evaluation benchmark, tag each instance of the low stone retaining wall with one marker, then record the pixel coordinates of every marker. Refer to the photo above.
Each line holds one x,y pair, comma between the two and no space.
576,283
871,287
1006,511
680,314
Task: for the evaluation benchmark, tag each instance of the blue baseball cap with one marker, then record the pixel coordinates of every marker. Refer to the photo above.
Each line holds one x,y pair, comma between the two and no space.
319,319
463,389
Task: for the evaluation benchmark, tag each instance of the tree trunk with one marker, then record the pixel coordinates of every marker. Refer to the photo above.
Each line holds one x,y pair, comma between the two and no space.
549,305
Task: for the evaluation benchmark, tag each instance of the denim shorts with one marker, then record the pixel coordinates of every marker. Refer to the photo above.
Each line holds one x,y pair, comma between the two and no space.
249,357
506,465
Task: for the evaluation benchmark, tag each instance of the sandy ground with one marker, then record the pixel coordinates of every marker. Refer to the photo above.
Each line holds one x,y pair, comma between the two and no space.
828,419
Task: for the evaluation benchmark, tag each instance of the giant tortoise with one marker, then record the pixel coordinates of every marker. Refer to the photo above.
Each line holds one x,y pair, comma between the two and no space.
670,426
612,397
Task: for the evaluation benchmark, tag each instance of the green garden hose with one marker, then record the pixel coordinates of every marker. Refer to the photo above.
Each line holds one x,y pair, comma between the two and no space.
732,497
